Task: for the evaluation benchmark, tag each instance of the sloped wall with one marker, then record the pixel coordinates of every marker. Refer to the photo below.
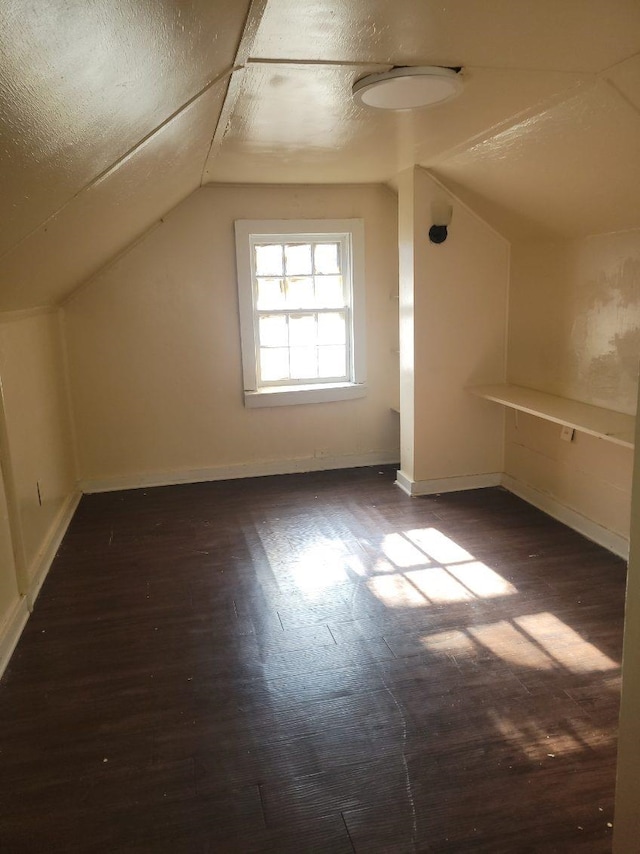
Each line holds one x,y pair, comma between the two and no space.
154,351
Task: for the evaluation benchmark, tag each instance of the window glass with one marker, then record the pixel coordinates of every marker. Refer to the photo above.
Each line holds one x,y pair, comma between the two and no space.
297,259
304,363
269,260
331,328
273,330
302,329
330,291
325,257
271,293
331,361
274,364
300,292
311,286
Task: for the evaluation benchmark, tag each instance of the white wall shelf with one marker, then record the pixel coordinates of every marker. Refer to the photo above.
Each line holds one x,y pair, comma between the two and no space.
616,427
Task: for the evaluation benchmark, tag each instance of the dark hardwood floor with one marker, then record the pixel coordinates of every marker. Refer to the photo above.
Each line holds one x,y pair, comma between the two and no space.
315,663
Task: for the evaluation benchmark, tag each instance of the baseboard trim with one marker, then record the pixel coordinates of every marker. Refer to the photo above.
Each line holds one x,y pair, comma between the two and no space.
615,543
446,484
240,470
42,562
11,630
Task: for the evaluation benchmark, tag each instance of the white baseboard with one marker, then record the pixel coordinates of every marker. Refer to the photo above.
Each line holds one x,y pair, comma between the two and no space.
42,562
615,543
11,629
447,484
239,470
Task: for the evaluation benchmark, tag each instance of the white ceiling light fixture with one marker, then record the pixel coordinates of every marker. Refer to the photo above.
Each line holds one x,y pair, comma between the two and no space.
408,88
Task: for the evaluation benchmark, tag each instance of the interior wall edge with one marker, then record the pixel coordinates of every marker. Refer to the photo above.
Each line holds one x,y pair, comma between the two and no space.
41,564
239,470
26,313
10,631
13,504
275,185
66,368
470,210
571,518
70,297
12,627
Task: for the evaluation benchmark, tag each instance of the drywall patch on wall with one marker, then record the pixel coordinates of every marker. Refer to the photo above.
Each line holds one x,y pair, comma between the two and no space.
574,326
605,334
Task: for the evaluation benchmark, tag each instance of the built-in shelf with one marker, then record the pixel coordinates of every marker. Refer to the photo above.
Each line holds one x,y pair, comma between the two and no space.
608,424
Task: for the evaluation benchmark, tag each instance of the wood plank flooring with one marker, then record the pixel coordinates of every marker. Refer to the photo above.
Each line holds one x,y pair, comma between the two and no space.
315,663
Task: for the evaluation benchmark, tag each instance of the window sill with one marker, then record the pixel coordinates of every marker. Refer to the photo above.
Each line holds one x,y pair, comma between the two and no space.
291,395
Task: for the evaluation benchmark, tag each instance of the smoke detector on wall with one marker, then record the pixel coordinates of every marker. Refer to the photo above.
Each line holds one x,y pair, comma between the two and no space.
408,88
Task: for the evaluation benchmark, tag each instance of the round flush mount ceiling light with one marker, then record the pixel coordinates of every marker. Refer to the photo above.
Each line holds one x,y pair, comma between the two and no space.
408,88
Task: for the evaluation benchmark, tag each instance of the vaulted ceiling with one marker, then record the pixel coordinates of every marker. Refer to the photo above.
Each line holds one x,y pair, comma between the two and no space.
112,111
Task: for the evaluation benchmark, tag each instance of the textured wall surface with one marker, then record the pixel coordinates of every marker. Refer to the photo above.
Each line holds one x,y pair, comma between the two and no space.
575,318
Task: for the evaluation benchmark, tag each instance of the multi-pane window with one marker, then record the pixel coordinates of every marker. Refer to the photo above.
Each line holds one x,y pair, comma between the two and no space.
301,306
302,310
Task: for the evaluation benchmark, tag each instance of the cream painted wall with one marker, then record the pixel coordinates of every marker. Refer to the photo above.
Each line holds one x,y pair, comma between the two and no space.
154,350
452,334
574,330
9,595
627,812
588,475
38,430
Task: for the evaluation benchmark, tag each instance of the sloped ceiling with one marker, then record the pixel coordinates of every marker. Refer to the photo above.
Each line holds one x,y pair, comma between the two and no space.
112,112
107,111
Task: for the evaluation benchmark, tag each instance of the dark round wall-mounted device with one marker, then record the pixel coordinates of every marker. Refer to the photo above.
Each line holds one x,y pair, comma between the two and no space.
438,233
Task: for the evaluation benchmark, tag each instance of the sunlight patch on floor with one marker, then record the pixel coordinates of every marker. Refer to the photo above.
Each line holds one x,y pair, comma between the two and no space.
436,545
402,553
566,646
453,642
396,592
438,586
507,642
481,580
542,743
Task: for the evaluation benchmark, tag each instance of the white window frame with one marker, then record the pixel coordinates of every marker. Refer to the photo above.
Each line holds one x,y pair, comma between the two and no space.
280,231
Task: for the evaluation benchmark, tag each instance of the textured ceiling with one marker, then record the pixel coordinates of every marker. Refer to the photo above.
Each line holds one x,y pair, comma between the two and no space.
112,112
107,110
542,141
